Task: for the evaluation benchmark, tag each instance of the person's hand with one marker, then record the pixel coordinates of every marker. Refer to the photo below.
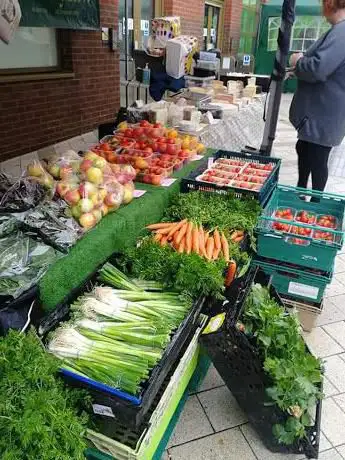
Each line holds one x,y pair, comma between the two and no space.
295,58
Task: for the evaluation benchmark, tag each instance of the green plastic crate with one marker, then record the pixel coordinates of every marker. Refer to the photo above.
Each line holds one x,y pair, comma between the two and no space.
160,419
312,253
296,284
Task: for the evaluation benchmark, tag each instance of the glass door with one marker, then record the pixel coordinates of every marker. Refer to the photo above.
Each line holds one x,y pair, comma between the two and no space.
212,21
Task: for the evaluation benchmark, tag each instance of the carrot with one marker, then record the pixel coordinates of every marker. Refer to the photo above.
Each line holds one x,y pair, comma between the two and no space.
195,240
202,242
225,247
166,230
164,240
182,244
158,237
216,236
176,227
176,234
216,252
159,225
182,232
188,249
238,239
231,272
210,247
233,235
236,234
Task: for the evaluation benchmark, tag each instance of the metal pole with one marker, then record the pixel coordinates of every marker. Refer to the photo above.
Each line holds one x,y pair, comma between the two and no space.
126,40
278,76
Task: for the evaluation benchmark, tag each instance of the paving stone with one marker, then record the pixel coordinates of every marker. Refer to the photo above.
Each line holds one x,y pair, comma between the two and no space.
333,422
330,313
335,288
261,452
340,400
228,445
341,450
335,372
27,159
192,424
222,409
339,302
331,454
328,388
339,266
212,380
337,332
321,344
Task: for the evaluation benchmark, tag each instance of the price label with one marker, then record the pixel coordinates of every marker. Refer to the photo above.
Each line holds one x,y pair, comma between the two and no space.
130,24
197,158
167,182
103,410
246,59
305,290
139,193
210,162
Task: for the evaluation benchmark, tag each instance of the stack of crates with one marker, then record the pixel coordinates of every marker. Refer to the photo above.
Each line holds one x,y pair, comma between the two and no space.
297,242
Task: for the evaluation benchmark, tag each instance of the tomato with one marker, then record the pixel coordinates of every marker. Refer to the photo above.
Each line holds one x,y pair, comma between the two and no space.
137,146
162,140
171,141
148,150
157,125
154,147
162,148
143,145
144,123
128,133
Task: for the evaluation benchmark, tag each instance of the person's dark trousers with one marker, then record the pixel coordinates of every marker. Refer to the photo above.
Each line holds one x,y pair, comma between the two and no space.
312,159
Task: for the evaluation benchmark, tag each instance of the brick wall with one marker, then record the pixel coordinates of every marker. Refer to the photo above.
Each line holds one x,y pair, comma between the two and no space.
232,26
191,13
40,113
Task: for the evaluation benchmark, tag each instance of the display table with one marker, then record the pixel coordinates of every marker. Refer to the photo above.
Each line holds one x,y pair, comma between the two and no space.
114,233
239,129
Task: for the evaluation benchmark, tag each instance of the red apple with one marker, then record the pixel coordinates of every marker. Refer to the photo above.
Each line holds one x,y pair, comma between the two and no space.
87,220
85,165
72,197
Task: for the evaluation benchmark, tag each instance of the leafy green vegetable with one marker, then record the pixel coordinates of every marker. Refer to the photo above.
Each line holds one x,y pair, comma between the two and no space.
294,373
190,274
39,418
211,210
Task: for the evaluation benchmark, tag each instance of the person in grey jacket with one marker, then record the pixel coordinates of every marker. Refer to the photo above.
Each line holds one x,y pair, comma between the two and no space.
318,107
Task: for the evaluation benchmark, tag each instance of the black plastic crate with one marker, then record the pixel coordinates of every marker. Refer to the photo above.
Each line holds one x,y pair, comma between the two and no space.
128,409
238,362
190,184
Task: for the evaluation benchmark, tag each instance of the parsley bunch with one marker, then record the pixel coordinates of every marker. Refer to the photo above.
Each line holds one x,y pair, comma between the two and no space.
191,274
294,373
38,415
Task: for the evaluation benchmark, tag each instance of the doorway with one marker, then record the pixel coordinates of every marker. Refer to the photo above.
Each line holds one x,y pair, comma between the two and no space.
213,19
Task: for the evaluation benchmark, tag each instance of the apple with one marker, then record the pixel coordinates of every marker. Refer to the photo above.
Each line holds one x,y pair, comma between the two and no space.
85,165
76,211
72,197
94,175
62,188
97,214
66,172
90,156
35,170
87,220
54,170
86,205
100,163
102,193
112,200
104,209
46,180
128,193
87,189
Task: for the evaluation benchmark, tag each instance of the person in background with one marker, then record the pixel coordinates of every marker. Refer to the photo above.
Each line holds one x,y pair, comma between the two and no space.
318,108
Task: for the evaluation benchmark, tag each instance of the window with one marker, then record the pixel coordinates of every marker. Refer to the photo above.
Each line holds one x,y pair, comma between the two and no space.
306,30
31,49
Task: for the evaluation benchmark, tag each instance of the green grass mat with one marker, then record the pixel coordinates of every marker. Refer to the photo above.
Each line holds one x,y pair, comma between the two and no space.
113,233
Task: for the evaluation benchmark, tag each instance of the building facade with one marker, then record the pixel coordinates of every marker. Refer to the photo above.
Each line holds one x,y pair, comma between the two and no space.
56,84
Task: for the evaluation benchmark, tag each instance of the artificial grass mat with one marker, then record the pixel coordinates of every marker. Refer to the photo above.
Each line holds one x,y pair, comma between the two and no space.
112,234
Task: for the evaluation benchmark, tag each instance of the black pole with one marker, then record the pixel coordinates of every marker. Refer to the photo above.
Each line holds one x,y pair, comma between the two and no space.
278,76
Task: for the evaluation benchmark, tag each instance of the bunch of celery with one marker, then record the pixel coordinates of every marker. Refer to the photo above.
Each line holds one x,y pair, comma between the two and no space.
116,336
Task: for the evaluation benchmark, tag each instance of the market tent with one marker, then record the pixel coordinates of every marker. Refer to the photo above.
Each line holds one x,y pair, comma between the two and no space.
309,25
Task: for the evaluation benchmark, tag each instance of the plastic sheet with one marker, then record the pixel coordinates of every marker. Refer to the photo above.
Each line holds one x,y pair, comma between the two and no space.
18,195
54,224
23,261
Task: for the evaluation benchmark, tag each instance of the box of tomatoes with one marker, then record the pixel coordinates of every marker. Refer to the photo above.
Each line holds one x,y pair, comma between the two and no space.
303,227
230,172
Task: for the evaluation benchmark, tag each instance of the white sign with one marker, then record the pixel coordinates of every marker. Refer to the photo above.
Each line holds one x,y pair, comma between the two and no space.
103,410
167,182
205,32
246,59
10,16
210,162
226,63
213,32
130,24
303,290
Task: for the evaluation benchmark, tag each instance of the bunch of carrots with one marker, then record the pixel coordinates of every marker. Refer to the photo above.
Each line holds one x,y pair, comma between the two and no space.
188,237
